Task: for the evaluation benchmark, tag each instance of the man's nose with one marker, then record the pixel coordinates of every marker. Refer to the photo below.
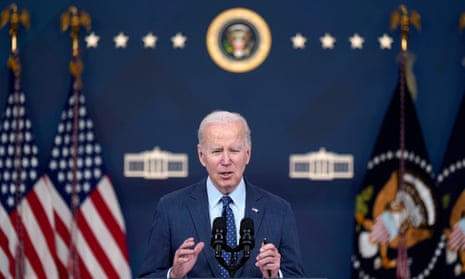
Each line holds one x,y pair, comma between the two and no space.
225,158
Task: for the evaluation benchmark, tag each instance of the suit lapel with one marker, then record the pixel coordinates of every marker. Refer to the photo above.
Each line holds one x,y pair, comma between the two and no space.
198,208
254,209
254,206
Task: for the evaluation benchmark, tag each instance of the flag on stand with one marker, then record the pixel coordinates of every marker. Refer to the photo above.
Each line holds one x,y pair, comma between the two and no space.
451,183
27,247
90,229
396,230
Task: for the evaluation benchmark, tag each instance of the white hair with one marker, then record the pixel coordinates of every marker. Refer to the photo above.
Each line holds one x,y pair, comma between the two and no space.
223,117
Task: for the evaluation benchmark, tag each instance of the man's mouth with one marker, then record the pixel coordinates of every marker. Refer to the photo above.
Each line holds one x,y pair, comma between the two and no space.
226,174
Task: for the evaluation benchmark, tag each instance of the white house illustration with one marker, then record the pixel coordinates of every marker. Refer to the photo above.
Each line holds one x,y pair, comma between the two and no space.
321,165
155,164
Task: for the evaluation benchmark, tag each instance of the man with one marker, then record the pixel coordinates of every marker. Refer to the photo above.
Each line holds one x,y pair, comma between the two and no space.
179,244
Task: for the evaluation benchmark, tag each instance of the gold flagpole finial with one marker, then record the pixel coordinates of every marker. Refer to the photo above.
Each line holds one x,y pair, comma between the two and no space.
11,15
14,17
74,19
404,18
462,21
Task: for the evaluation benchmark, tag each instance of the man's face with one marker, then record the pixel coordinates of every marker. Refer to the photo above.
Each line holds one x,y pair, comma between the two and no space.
224,154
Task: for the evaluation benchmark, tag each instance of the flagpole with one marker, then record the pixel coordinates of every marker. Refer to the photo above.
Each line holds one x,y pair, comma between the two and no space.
11,15
403,18
73,19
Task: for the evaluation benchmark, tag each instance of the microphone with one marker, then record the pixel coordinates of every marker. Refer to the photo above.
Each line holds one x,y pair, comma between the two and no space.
265,242
246,240
218,240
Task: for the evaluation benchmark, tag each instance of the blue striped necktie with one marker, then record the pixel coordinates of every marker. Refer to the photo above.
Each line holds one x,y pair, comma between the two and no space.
231,238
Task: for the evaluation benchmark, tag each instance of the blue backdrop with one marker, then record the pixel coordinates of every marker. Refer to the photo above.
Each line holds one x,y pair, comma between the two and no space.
297,101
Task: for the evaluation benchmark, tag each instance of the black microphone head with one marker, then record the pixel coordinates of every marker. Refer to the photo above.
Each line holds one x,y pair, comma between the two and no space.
219,224
218,239
247,226
247,241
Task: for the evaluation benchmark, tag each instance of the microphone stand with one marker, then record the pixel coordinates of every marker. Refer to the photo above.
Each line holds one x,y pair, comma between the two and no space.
231,267
246,243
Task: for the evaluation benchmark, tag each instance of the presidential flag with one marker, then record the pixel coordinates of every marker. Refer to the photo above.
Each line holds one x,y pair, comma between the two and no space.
396,229
451,183
27,247
90,229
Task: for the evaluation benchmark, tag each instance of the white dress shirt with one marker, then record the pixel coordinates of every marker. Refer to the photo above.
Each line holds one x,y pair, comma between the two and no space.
215,204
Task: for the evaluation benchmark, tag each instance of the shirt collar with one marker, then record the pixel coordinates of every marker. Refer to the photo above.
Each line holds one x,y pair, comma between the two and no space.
214,196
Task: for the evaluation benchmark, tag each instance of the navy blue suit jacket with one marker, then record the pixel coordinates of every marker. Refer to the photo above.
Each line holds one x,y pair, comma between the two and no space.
184,213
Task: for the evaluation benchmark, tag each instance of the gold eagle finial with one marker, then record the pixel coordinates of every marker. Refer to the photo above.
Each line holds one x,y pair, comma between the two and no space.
74,19
404,18
11,15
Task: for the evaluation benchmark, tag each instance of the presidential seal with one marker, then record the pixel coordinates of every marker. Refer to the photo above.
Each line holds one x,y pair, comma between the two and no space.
238,40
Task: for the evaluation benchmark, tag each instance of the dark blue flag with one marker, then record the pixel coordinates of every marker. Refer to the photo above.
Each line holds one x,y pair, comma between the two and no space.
396,230
451,181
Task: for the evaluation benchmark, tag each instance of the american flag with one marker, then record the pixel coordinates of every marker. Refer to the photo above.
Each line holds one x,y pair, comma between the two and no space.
27,247
90,229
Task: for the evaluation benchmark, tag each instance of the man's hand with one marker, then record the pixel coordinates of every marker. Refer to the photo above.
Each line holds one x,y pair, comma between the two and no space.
185,257
269,261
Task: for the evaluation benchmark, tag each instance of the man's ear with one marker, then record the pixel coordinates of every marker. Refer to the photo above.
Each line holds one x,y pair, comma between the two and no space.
249,153
200,154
